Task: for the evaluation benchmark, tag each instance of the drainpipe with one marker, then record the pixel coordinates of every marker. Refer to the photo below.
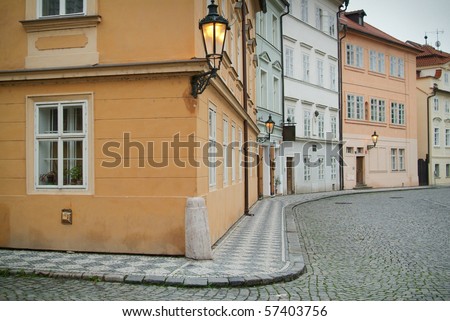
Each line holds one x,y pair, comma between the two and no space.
245,105
428,158
341,116
282,60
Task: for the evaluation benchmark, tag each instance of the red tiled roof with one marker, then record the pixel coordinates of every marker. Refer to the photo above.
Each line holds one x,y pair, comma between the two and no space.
368,29
430,56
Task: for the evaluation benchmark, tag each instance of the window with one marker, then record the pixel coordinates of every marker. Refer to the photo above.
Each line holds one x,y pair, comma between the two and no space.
320,73
276,95
331,24
397,67
355,107
377,110
289,61
401,159
225,151
304,7
447,137
240,167
306,170
321,125
437,171
397,113
377,61
354,56
61,145
319,19
262,25
394,159
332,77
307,123
49,8
436,137
447,107
349,150
275,31
290,114
446,78
321,168
212,148
436,104
233,156
333,168
447,170
264,88
305,67
333,126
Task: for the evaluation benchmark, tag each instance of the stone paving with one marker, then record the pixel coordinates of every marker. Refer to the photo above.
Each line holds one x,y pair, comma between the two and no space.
375,246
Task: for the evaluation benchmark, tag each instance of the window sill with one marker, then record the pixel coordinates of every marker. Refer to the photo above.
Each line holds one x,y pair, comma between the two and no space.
60,23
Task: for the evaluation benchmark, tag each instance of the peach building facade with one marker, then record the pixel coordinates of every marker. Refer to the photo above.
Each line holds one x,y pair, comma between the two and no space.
96,101
378,95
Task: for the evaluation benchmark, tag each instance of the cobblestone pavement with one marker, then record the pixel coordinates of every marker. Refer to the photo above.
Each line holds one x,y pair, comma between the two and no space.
374,246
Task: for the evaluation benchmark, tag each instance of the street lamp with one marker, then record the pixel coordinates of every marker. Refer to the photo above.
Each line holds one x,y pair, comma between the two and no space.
269,125
214,30
374,140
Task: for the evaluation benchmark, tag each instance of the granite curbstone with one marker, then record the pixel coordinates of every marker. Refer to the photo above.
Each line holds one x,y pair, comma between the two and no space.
154,280
134,279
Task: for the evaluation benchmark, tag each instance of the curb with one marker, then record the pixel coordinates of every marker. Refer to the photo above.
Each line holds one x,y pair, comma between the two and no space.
294,255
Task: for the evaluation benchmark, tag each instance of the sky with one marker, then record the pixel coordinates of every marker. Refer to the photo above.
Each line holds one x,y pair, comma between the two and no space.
409,19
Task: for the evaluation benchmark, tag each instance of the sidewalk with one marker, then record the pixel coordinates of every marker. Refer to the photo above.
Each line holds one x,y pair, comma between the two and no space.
260,249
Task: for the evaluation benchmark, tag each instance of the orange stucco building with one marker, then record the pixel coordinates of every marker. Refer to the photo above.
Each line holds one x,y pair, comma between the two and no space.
98,121
378,95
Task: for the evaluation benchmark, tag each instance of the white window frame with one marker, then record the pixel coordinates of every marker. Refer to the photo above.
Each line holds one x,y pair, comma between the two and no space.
306,170
240,167
321,169
436,104
401,159
355,107
307,123
60,137
289,61
320,72
304,9
397,113
276,94
354,56
333,121
264,88
306,67
225,150
333,168
333,77
436,137
212,148
397,67
394,159
62,9
321,125
447,107
377,110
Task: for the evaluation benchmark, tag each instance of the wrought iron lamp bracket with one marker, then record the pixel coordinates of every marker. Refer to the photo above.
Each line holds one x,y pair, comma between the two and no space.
199,82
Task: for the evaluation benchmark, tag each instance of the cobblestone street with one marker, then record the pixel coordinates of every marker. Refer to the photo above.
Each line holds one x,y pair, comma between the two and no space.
373,246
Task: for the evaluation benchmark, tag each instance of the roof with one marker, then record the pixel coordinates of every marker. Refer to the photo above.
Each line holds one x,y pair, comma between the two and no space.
430,56
350,20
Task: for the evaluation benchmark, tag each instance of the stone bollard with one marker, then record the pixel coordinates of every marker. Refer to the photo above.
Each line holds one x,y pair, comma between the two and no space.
197,239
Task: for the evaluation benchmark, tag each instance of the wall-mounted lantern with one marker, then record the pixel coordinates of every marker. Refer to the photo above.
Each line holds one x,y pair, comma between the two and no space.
269,124
374,140
214,30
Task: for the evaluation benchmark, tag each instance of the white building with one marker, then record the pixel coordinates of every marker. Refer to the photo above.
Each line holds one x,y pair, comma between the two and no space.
310,34
270,94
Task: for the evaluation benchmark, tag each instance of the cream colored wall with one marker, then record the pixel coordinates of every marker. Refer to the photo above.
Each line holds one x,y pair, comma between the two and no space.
134,210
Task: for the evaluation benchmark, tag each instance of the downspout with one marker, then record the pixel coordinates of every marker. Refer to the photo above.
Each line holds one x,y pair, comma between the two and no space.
245,106
282,60
282,77
428,158
341,116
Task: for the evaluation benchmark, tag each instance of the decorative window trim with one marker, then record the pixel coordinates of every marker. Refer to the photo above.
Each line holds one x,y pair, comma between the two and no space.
61,23
32,102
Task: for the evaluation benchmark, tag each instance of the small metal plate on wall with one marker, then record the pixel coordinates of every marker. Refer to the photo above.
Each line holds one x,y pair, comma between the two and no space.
66,216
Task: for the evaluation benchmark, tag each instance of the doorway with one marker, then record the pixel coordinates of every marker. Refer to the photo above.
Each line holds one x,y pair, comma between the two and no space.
290,175
359,170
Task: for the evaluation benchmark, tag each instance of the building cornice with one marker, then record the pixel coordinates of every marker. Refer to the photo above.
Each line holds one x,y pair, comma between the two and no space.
105,70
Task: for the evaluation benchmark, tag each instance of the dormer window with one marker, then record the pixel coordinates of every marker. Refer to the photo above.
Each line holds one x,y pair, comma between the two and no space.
54,8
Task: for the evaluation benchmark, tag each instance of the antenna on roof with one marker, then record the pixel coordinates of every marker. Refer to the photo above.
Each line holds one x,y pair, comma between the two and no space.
437,43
